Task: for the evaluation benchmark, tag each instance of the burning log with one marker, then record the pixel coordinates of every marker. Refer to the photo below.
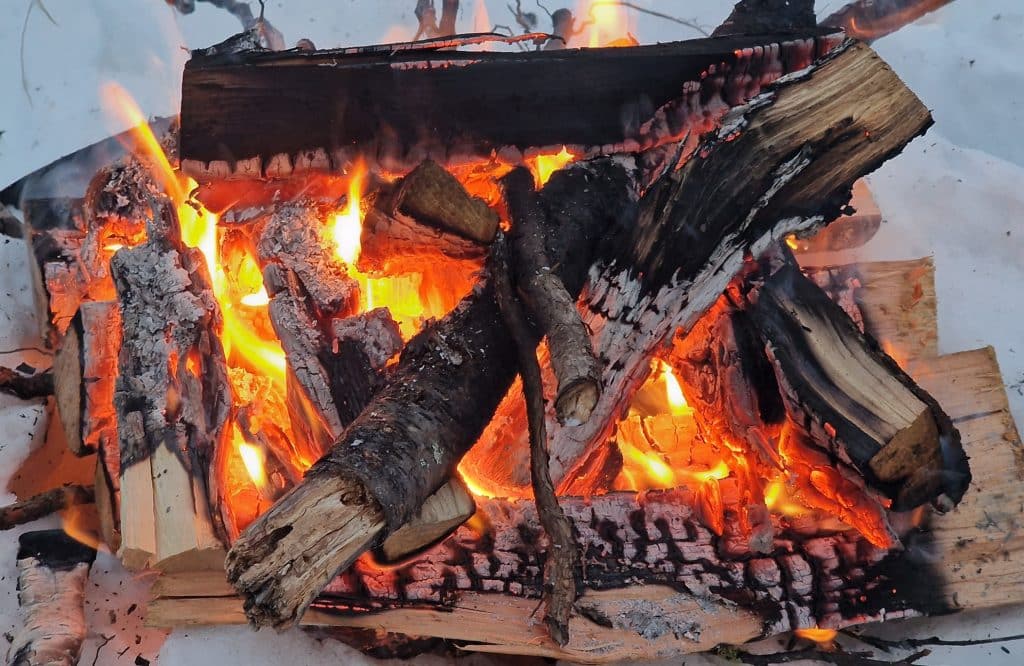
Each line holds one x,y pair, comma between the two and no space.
899,438
869,20
84,369
791,157
172,400
572,357
452,105
433,196
52,571
757,17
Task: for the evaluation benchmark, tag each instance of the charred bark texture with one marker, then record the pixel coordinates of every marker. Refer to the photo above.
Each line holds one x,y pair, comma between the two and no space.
572,356
171,396
451,105
851,398
760,17
44,504
806,576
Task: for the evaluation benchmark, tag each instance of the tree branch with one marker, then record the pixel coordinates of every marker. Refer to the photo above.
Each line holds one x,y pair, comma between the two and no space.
43,504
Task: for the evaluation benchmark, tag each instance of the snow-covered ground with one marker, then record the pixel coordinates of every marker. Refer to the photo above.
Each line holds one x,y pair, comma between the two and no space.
957,193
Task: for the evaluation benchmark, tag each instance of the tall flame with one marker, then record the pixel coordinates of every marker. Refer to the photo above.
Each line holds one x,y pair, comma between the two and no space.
347,226
607,23
542,166
254,458
674,392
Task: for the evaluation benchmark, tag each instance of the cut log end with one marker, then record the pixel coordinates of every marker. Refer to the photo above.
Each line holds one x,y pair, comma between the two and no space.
443,511
262,564
576,402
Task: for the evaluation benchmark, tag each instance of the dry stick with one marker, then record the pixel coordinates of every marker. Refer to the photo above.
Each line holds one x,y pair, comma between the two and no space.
26,387
908,643
44,504
572,355
561,584
868,20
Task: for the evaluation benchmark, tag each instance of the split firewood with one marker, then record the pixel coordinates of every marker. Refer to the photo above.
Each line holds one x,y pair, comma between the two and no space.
172,400
783,169
441,514
43,504
53,569
561,583
84,369
433,196
899,438
455,105
572,356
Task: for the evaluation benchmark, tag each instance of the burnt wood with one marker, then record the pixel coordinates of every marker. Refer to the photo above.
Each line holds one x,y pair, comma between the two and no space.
781,164
266,113
571,354
852,398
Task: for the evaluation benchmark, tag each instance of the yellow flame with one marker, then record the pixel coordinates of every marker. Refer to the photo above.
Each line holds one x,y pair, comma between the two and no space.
475,489
777,500
609,22
543,166
254,458
817,635
716,473
792,242
659,474
113,247
120,104
674,392
347,225
256,299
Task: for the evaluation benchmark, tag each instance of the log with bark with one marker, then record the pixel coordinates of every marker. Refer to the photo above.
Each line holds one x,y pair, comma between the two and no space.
172,400
44,504
783,163
451,105
53,569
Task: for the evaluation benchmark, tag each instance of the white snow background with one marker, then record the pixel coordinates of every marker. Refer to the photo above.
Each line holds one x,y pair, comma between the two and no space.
956,194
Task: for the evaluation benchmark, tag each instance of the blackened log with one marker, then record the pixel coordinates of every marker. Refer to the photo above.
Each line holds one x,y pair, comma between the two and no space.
572,356
851,398
809,574
781,164
26,387
451,105
759,17
53,569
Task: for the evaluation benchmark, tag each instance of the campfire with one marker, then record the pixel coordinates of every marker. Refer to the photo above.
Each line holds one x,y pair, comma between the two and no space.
369,339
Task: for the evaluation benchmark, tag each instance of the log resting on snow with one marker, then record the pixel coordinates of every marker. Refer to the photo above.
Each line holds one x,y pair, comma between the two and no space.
452,106
172,400
53,570
783,163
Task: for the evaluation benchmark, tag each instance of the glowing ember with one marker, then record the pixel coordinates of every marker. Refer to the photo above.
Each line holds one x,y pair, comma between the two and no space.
543,166
817,635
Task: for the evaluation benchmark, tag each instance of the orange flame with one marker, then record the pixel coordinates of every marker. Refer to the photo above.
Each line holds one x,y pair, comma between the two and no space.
674,392
81,523
607,23
817,635
254,458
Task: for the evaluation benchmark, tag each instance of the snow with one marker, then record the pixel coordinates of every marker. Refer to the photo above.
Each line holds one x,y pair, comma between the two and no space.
957,194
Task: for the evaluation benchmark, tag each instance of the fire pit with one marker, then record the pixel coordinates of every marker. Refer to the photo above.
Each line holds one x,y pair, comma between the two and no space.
296,327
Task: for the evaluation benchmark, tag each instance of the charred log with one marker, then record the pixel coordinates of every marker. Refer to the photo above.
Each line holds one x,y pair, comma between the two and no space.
572,356
52,572
868,20
759,17
898,437
421,106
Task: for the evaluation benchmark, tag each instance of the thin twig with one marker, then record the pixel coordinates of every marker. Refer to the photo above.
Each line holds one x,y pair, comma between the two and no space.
43,504
24,31
25,387
560,570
